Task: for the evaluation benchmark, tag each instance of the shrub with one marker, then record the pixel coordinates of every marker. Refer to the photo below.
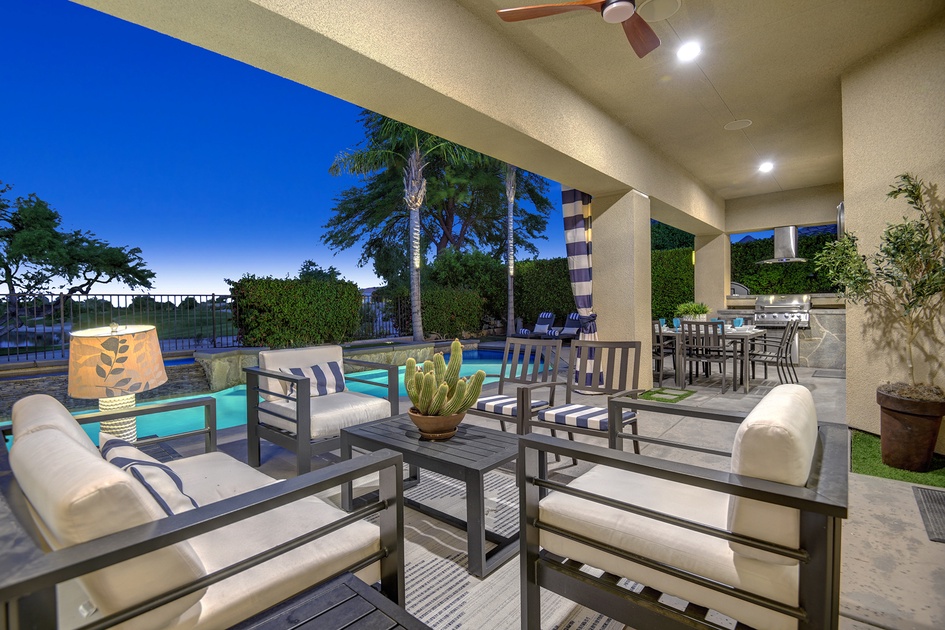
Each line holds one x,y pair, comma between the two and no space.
475,271
673,281
294,313
451,312
543,285
781,278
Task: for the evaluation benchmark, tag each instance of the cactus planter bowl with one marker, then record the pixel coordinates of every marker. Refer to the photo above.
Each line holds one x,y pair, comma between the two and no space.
440,397
436,427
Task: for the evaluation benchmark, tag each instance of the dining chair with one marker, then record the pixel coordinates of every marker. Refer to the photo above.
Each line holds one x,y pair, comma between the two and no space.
663,346
777,352
704,343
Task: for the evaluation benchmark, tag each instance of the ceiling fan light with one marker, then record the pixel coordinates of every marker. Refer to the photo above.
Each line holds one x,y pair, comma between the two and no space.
617,11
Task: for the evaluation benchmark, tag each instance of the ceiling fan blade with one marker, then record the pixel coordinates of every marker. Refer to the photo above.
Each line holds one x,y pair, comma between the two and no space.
642,38
518,14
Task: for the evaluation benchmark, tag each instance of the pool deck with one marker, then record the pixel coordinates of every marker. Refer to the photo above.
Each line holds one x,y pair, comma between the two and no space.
892,576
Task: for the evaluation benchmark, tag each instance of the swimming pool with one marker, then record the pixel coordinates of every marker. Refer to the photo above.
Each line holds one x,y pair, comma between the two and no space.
231,403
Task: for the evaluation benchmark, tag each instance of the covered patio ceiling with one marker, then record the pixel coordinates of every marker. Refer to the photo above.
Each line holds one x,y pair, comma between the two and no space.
566,97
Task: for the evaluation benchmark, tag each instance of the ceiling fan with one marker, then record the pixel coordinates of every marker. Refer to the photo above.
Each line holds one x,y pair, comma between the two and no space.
639,33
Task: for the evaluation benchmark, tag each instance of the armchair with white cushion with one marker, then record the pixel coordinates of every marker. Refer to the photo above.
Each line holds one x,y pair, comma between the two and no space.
297,399
759,543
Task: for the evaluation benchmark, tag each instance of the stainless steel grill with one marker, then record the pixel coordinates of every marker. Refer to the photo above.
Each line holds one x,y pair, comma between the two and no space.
775,311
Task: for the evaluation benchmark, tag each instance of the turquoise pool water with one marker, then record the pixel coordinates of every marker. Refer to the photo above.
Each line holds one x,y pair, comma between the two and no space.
231,403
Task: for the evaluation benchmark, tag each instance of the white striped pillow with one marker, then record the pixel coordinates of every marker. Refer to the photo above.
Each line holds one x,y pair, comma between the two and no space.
159,480
326,378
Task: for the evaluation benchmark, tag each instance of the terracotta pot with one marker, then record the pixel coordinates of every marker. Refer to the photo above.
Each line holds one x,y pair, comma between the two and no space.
435,427
908,431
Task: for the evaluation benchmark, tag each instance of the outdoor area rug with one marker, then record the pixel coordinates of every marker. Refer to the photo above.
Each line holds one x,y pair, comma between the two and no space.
932,508
667,394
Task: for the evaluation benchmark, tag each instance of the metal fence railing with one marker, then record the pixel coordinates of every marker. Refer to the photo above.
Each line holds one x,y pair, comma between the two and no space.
37,328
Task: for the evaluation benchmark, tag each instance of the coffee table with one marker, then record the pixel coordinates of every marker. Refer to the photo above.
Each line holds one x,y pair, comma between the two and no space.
466,457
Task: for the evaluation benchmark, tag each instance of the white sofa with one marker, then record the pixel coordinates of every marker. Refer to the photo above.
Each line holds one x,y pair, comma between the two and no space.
76,496
286,409
632,517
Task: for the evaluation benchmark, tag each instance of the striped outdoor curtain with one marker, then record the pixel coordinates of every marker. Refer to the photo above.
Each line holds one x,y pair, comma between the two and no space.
576,207
577,235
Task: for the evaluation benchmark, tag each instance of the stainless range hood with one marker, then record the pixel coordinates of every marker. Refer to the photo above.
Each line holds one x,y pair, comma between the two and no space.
785,246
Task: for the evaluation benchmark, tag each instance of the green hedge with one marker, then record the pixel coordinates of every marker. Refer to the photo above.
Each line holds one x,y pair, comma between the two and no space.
673,281
294,313
451,313
780,278
543,285
475,271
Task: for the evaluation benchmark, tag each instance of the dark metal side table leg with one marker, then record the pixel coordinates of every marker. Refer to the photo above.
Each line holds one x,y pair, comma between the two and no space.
346,488
476,523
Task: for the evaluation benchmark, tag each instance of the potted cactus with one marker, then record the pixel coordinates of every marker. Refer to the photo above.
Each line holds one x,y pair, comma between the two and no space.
440,397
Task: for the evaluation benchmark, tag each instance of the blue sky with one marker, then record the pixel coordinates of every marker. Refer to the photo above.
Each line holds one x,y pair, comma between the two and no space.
212,167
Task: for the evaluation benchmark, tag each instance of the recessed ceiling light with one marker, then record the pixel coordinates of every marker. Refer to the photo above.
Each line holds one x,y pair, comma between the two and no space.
766,167
689,51
735,125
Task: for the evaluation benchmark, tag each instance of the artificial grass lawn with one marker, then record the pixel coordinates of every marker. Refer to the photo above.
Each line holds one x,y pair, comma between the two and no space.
667,394
865,459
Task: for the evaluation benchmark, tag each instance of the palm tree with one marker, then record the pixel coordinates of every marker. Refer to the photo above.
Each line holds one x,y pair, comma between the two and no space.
395,145
510,244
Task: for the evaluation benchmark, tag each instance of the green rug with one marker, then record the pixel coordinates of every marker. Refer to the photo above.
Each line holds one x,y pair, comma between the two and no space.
667,394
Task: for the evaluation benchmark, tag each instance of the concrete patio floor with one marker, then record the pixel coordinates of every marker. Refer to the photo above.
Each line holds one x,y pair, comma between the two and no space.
892,576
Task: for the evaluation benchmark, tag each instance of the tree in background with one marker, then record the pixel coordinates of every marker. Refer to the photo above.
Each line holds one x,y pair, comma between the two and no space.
311,270
510,172
36,256
465,208
392,145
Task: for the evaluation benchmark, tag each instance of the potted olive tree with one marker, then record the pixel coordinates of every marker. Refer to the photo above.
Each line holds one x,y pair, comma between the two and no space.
902,286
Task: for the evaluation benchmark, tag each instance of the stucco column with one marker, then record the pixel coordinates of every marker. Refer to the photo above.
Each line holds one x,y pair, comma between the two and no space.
622,272
713,270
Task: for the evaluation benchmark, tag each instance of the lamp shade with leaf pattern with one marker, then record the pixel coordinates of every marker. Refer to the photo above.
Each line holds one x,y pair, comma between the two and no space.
112,364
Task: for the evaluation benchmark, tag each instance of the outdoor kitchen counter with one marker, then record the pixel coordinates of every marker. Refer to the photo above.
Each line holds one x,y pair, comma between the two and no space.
817,300
823,345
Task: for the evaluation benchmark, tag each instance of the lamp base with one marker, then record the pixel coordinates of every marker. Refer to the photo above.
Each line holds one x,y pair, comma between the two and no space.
122,428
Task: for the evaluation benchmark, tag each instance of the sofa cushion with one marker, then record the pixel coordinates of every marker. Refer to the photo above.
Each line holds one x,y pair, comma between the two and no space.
272,360
698,553
260,587
211,477
162,483
775,442
329,413
41,411
79,496
326,378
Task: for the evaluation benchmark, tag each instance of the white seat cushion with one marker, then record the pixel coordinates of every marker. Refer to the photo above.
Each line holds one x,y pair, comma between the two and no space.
272,360
329,413
504,405
210,477
257,589
694,552
583,416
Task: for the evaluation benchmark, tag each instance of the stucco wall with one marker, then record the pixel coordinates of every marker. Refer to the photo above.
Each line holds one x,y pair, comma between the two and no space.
893,122
803,206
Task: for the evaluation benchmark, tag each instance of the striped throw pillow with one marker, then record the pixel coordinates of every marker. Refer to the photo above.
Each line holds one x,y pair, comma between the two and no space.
159,480
326,378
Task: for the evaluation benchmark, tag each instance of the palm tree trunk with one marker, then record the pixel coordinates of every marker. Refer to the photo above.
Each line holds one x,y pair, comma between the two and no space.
510,245
415,188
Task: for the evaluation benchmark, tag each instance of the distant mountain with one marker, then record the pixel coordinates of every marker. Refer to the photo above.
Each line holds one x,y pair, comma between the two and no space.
813,230
748,239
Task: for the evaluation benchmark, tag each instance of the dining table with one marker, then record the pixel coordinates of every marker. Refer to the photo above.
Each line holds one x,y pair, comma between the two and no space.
741,335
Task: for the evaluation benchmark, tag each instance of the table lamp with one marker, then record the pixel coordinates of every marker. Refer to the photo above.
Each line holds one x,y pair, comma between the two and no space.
112,364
